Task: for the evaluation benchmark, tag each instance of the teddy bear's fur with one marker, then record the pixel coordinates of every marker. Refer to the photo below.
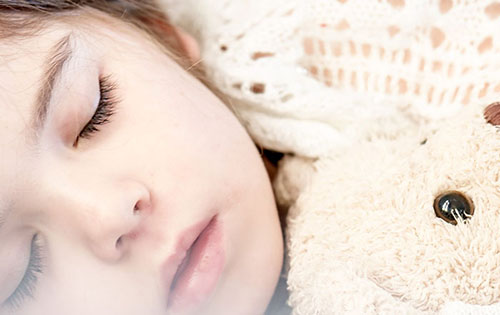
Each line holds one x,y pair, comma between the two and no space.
363,237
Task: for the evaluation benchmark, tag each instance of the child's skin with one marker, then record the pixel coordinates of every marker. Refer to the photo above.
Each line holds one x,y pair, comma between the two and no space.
110,209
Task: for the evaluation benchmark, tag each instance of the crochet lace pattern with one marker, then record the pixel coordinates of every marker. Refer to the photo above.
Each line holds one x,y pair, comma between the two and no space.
310,76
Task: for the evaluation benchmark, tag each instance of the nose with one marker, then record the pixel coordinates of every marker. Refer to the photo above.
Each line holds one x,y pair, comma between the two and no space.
104,214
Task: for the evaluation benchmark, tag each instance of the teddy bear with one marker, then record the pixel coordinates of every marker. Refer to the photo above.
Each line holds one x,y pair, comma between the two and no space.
405,226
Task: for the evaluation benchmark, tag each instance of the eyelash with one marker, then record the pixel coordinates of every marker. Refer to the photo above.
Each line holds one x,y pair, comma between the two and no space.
105,109
27,285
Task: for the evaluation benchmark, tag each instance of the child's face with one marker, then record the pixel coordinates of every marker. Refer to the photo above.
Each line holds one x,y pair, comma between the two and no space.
113,214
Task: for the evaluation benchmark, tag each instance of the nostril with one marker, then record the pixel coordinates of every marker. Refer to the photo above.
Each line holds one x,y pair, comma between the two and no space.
141,206
119,242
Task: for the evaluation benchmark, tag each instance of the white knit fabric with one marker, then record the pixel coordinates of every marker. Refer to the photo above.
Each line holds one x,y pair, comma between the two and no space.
311,76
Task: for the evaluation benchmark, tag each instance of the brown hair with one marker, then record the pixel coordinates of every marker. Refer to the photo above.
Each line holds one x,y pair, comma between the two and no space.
22,18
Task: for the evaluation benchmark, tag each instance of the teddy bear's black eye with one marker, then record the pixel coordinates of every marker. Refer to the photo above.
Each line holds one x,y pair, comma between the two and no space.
452,205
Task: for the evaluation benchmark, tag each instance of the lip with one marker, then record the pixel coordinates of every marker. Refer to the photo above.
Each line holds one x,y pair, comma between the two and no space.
191,273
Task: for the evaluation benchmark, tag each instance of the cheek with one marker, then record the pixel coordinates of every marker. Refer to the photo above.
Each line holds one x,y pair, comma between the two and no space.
180,135
193,126
73,284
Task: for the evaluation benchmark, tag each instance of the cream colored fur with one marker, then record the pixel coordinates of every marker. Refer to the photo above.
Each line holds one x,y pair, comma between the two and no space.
363,237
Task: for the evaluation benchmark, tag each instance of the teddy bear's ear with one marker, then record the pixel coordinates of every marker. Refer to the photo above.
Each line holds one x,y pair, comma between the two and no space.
492,114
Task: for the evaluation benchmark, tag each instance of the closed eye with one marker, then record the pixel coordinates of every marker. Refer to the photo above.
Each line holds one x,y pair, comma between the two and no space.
27,286
105,109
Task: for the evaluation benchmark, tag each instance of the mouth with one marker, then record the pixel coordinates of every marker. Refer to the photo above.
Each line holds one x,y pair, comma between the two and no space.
192,273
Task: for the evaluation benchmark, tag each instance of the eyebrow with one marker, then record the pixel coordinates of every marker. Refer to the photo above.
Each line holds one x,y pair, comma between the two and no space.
60,53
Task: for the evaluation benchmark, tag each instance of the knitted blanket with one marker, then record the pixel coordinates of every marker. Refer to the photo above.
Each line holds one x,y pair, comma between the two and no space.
311,76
